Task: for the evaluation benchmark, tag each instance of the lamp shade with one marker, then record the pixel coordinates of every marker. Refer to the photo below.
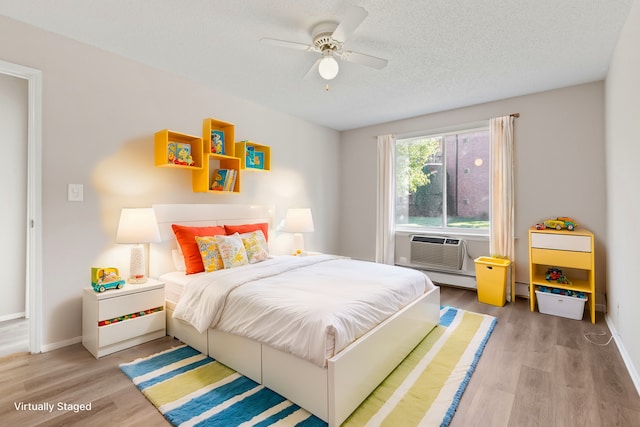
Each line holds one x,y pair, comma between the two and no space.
328,67
298,221
138,226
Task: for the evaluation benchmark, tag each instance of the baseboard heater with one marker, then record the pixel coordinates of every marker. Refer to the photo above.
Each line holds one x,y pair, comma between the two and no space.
437,252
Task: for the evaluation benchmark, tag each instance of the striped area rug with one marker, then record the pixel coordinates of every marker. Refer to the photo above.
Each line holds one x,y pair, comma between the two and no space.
191,389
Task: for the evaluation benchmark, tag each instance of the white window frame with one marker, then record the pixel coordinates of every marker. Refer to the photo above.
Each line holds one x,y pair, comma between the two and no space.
450,231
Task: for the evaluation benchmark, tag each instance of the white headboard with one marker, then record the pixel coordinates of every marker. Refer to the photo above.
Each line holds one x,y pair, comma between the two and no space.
160,257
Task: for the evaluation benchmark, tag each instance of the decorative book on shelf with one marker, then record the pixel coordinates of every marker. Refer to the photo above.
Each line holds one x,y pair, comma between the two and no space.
217,142
254,159
224,179
254,156
218,137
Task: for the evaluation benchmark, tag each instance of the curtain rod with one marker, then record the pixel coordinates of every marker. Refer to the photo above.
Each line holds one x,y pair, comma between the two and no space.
516,115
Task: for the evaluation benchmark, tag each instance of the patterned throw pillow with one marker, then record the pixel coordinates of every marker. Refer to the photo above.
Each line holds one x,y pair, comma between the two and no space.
232,250
256,246
187,243
210,254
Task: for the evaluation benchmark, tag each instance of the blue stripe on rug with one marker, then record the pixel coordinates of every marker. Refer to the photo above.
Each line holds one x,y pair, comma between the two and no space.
447,317
312,421
282,415
463,385
142,367
210,399
245,410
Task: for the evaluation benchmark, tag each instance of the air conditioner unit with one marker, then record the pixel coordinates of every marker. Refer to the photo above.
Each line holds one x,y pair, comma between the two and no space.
437,252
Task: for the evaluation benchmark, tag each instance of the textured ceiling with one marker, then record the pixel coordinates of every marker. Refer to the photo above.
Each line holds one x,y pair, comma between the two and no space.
442,54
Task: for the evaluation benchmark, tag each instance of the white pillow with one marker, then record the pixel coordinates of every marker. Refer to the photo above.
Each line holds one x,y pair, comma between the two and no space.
178,260
232,250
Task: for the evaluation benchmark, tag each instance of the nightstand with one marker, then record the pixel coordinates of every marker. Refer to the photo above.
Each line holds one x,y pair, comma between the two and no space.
121,318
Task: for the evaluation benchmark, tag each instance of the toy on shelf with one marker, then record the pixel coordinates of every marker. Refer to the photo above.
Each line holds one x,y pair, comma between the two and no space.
129,316
180,154
103,278
565,292
556,275
559,223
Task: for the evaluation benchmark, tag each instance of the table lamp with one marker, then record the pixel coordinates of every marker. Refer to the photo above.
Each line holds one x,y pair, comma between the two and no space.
298,221
137,226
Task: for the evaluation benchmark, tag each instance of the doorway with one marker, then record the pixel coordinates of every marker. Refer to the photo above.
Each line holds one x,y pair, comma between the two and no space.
26,300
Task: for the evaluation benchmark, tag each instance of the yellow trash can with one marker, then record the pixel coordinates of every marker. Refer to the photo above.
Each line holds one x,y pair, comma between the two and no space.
491,277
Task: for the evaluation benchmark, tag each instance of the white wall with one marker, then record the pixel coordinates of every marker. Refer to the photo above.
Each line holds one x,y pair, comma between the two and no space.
560,167
100,112
13,175
623,196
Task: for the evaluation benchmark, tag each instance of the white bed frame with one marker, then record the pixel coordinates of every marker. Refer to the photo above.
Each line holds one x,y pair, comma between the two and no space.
330,393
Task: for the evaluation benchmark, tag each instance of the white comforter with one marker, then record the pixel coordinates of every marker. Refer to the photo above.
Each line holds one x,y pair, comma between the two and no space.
312,307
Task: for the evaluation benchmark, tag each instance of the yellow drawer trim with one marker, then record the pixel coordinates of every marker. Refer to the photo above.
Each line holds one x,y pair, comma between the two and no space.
559,258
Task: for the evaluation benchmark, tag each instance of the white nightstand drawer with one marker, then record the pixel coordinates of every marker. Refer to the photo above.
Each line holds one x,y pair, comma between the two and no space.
119,303
561,242
130,328
128,304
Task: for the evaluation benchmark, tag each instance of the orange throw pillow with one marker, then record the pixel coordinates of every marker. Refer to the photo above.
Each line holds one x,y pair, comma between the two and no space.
186,237
248,228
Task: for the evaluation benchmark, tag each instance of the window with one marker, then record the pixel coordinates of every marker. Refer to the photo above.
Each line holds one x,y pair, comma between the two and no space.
442,182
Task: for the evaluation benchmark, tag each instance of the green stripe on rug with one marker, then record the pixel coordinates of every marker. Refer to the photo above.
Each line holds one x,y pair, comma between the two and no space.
412,387
424,390
187,383
428,384
383,393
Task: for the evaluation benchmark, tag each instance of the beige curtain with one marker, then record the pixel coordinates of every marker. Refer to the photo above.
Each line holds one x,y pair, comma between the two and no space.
502,240
385,232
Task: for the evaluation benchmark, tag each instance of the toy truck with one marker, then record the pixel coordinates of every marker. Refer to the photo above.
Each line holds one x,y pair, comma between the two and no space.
560,223
103,278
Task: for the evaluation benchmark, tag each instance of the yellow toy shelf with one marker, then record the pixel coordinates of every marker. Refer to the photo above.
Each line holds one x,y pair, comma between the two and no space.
573,251
177,150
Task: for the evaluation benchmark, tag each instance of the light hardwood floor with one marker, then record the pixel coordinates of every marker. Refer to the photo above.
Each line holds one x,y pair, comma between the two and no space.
536,370
14,336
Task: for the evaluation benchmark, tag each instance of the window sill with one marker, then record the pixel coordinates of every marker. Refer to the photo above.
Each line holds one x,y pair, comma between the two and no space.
448,233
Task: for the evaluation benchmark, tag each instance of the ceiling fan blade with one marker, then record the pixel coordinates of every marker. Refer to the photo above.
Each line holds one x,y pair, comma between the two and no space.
289,45
313,69
362,59
355,16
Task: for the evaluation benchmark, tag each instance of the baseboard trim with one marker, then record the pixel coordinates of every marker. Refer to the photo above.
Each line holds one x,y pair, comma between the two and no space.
11,316
633,372
60,344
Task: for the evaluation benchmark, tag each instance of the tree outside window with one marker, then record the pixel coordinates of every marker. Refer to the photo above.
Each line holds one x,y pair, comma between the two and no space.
442,181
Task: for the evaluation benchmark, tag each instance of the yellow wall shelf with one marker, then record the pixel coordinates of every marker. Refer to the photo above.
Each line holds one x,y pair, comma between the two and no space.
253,156
168,145
213,129
219,153
216,150
202,179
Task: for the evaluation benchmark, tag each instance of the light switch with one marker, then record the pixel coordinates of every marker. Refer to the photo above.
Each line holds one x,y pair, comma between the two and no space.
75,193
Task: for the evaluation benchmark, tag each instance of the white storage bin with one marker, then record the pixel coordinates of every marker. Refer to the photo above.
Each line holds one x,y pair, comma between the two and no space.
560,305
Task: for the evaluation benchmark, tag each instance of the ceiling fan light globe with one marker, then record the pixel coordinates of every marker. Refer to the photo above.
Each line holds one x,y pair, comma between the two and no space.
328,68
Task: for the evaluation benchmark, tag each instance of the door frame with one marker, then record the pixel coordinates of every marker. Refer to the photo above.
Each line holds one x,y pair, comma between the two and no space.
33,309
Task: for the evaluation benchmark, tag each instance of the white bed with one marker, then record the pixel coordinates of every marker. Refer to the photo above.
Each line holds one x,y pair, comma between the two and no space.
330,390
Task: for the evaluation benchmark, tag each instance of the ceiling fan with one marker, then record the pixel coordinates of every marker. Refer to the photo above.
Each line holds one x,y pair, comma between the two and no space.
328,40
